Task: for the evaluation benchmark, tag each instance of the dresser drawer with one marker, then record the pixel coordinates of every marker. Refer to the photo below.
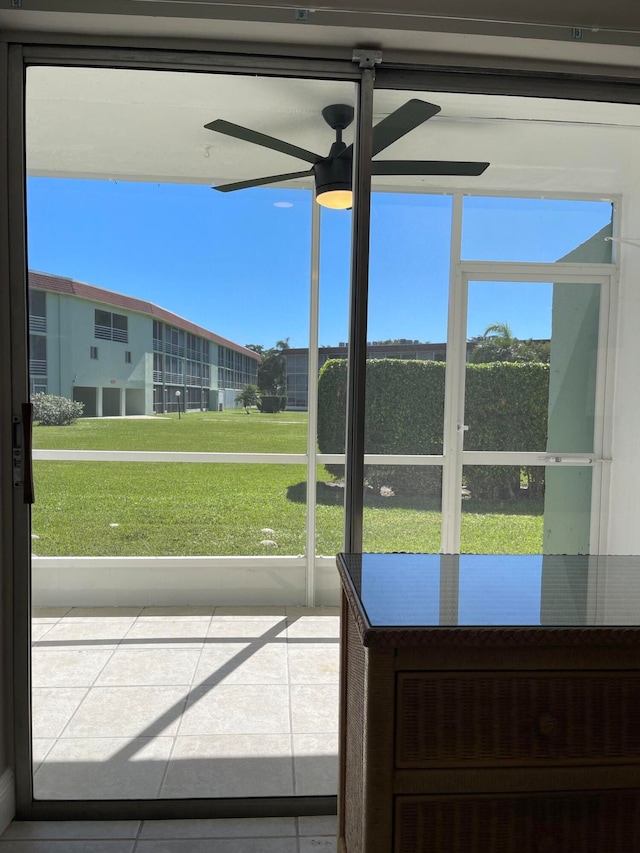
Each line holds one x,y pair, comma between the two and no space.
480,719
590,822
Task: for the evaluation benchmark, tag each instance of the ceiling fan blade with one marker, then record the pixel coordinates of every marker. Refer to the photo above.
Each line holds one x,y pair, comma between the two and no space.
248,135
259,182
401,121
427,167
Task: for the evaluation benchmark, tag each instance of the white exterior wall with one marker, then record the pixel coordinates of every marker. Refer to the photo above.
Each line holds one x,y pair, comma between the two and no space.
70,336
157,581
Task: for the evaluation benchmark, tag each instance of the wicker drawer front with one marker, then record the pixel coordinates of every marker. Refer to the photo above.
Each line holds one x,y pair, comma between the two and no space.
479,719
561,823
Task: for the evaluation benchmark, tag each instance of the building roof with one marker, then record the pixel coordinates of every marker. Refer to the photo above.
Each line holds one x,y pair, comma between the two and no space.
71,287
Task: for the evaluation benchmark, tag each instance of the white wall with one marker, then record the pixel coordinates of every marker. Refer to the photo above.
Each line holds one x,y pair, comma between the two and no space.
157,581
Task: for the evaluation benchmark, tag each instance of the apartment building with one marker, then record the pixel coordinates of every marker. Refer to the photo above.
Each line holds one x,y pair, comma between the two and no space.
120,356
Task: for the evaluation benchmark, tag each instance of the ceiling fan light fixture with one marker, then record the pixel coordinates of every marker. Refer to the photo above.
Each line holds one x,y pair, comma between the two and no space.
333,183
337,199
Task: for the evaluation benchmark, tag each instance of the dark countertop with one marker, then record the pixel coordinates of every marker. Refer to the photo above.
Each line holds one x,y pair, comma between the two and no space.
432,591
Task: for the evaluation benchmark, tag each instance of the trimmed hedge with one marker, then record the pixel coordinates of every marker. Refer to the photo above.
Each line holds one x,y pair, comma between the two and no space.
271,403
506,406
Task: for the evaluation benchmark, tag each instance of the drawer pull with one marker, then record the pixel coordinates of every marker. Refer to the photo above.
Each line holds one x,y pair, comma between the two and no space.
546,844
547,724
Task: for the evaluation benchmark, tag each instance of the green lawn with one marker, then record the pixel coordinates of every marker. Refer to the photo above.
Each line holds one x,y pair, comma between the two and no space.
221,432
140,509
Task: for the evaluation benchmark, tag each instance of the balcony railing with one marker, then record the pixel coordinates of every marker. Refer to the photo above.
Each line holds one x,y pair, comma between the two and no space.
107,333
37,324
38,366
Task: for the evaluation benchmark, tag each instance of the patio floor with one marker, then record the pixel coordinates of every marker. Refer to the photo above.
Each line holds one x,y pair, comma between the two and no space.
265,835
184,702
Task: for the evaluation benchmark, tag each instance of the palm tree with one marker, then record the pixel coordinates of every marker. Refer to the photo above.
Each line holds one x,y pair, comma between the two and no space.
502,332
498,343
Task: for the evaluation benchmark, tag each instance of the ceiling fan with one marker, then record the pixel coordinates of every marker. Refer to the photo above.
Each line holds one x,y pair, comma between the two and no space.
332,173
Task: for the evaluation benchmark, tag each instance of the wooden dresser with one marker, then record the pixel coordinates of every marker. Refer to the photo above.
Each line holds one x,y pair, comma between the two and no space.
489,704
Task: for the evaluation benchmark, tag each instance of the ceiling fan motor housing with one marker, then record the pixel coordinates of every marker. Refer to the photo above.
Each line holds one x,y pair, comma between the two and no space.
333,173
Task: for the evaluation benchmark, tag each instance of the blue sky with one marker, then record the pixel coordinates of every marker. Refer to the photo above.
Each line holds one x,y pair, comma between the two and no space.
238,263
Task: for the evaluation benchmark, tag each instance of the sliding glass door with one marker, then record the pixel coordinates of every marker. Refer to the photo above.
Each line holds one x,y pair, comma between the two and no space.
173,370
190,503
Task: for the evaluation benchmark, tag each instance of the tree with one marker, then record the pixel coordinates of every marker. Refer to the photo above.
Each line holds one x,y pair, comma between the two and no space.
498,343
272,367
248,397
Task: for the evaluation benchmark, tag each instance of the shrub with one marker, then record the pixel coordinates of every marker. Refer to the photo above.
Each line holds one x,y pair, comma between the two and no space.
400,395
506,409
271,403
49,410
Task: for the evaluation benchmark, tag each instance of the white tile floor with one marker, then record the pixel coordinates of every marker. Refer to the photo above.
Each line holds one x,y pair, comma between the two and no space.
268,835
184,702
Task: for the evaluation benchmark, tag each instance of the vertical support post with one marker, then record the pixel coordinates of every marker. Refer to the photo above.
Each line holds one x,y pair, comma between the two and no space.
454,390
15,382
357,350
449,589
312,401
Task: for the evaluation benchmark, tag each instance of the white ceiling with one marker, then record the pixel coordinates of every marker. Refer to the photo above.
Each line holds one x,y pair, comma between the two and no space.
148,126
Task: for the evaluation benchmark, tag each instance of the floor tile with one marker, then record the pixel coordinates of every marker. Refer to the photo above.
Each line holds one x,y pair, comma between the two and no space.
40,746
166,634
226,845
262,614
67,667
85,635
259,670
39,629
315,759
230,766
314,708
179,614
326,629
66,846
149,667
313,664
70,829
226,828
318,825
128,712
241,628
53,707
237,709
312,612
242,663
321,844
103,768
40,614
103,614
